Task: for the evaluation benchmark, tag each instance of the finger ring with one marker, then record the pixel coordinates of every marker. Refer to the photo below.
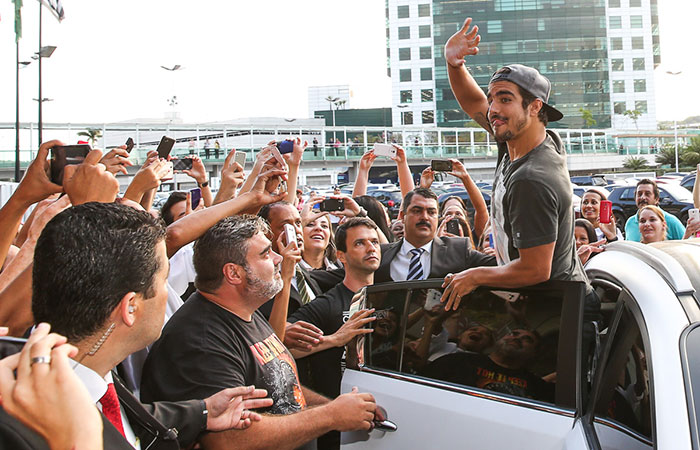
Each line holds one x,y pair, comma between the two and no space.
40,360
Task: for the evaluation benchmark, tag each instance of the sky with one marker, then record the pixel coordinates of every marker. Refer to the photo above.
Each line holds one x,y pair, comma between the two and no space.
242,58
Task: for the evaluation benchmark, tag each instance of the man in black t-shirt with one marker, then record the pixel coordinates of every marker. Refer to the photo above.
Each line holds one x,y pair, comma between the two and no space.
219,339
504,370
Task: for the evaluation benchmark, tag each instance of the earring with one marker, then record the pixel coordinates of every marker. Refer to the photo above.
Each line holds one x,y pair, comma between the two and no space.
131,309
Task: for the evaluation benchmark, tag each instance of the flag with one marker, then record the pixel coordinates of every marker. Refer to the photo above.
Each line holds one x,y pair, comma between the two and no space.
18,19
56,8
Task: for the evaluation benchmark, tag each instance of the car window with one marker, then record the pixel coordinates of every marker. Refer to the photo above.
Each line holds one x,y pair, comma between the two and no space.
677,192
627,194
623,395
498,341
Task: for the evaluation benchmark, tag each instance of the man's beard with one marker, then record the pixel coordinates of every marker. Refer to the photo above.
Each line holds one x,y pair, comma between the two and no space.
262,289
508,135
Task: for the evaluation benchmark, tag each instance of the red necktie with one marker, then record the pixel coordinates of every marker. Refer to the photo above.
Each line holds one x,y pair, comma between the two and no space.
110,408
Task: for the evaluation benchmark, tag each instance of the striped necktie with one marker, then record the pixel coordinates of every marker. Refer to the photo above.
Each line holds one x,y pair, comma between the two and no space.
301,287
415,268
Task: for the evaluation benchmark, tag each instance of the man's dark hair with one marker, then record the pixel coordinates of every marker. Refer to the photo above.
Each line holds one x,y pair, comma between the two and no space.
226,242
267,209
87,259
652,183
341,233
165,211
529,98
423,192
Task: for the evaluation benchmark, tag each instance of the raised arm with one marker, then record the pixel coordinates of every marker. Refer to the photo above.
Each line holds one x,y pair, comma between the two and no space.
294,161
405,178
199,173
467,92
362,178
481,211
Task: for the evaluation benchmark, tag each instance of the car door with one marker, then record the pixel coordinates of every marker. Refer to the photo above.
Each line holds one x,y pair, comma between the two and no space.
471,378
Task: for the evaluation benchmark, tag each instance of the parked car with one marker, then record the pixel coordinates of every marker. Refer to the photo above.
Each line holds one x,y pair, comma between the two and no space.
636,389
672,198
580,190
589,180
688,181
390,199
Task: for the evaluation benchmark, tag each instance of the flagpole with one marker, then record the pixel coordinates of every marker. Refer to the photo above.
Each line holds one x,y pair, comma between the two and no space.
41,101
17,114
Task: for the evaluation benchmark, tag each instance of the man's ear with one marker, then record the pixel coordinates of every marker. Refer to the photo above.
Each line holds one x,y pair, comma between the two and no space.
126,310
401,216
233,273
341,257
535,107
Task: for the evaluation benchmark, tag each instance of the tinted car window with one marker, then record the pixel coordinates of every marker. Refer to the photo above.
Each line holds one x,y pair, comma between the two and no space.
628,194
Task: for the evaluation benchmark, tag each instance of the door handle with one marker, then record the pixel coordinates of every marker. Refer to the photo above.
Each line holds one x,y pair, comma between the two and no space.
385,425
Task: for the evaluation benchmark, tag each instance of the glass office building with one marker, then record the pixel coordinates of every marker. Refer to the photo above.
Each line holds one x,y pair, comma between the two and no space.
599,55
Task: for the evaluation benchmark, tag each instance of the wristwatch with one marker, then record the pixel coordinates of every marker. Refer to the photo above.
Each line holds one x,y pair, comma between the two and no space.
362,213
205,184
610,240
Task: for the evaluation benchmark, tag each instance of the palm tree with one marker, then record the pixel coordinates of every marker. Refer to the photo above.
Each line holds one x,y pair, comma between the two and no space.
92,135
666,156
331,101
691,154
634,163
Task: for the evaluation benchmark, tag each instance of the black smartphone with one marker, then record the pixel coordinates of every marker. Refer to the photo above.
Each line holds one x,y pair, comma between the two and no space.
166,144
129,145
195,196
182,164
441,165
332,204
453,227
10,345
66,155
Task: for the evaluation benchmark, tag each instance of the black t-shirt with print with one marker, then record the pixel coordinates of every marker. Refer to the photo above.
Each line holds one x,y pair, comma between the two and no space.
477,370
328,312
205,348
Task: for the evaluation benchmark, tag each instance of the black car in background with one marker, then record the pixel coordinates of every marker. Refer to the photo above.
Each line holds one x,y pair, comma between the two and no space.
390,199
590,180
688,181
673,199
465,197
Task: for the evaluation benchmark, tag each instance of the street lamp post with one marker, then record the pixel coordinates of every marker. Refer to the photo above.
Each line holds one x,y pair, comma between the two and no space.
44,52
675,124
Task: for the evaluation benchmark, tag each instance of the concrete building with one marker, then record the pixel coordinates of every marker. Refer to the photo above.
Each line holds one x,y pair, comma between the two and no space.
599,55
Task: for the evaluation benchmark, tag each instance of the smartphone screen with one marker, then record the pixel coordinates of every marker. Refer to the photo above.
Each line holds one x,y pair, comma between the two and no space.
66,155
239,157
182,164
332,204
441,165
165,146
195,196
384,150
453,227
129,145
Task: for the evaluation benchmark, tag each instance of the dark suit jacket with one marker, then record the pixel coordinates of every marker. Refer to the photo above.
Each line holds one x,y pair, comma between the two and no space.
294,296
448,255
150,423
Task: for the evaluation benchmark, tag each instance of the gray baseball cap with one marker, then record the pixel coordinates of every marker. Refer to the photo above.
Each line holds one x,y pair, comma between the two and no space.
532,81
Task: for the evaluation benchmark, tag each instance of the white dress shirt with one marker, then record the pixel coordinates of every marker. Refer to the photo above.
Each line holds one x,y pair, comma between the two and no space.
97,387
399,265
182,269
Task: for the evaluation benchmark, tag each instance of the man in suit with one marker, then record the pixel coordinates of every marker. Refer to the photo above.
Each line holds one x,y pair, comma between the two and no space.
420,254
99,277
303,288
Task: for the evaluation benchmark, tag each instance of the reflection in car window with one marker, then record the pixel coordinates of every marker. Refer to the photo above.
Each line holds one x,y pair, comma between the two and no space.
384,343
498,341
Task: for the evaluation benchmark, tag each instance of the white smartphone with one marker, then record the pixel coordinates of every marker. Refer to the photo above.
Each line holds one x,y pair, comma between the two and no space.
432,299
290,235
239,157
384,150
166,172
694,214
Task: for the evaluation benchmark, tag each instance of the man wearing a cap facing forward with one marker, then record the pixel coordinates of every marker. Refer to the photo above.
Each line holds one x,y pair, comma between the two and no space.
532,215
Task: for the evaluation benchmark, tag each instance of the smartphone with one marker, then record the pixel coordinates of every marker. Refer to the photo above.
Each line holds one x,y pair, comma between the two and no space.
453,227
384,150
332,204
166,144
129,145
694,214
11,345
167,171
605,211
441,165
290,234
182,164
239,157
195,197
432,299
491,240
285,146
66,155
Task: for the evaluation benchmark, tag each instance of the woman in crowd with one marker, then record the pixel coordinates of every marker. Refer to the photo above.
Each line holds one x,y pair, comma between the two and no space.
454,208
652,224
590,210
319,244
587,242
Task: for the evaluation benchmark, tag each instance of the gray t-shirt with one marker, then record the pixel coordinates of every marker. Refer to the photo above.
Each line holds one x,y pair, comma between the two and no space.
532,206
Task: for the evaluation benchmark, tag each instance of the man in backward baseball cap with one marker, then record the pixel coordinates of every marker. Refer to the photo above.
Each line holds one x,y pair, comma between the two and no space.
531,210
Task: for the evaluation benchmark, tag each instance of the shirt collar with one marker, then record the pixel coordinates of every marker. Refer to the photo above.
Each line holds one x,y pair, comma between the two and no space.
95,384
406,247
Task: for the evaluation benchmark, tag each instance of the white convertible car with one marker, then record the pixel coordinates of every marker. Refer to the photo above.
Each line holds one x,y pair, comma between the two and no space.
527,369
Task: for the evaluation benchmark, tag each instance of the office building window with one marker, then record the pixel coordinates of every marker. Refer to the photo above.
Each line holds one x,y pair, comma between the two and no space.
494,26
404,32
426,52
637,43
640,85
426,73
405,75
636,22
620,107
424,10
406,96
540,25
403,11
616,43
637,63
635,3
404,54
618,65
613,3
618,86
426,95
615,22
407,118
424,31
429,116
639,105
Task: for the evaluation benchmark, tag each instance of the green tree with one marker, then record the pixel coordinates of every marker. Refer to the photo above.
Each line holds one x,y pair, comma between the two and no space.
587,116
691,154
634,114
634,163
92,135
667,156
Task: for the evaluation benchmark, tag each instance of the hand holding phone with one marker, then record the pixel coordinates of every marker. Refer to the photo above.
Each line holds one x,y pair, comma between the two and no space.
384,150
441,165
195,197
605,215
165,146
290,234
453,227
129,145
66,155
285,146
239,158
332,205
182,164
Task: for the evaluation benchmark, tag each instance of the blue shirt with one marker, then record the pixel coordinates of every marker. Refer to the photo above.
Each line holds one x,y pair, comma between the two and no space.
674,228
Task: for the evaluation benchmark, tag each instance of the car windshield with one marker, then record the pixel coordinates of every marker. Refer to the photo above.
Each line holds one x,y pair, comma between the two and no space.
678,192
